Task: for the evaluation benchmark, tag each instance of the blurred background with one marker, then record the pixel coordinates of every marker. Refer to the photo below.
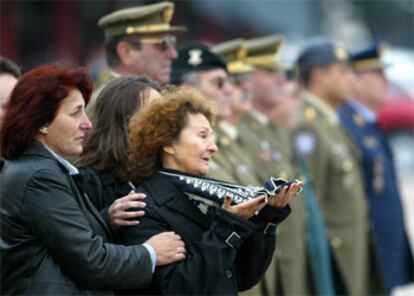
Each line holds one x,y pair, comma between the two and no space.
36,32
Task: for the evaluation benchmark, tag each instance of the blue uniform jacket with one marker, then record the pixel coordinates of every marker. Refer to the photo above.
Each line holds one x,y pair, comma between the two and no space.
386,214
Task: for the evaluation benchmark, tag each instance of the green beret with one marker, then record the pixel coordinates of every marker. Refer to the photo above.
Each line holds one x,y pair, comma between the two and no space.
195,58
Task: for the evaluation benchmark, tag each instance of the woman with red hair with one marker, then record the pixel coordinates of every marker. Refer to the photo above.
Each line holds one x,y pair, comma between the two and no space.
53,241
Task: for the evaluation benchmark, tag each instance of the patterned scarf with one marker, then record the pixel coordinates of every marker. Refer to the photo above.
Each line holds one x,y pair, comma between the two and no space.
211,192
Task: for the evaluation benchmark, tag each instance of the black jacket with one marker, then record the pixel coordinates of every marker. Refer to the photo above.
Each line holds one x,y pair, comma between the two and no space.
225,254
53,241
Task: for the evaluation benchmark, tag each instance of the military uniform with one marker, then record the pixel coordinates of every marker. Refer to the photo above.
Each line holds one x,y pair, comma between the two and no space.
289,272
321,141
386,214
232,158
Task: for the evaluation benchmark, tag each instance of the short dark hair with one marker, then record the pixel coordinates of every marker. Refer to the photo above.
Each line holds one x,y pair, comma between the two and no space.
106,145
34,102
9,67
111,43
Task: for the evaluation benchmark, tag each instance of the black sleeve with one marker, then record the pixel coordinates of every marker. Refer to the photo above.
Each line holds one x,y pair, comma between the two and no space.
256,253
208,259
92,186
55,217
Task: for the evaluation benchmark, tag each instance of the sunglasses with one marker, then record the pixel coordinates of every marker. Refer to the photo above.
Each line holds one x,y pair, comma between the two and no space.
241,78
163,43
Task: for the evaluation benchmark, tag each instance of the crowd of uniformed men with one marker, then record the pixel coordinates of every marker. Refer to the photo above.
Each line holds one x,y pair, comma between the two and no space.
314,121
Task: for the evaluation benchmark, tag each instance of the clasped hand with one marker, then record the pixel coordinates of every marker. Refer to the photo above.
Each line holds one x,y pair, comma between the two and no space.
248,209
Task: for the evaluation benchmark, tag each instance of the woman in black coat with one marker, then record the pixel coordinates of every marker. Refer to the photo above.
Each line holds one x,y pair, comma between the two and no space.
227,250
53,241
104,159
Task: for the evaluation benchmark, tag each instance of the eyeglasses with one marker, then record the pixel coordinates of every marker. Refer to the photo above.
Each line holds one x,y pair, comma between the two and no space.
241,78
163,43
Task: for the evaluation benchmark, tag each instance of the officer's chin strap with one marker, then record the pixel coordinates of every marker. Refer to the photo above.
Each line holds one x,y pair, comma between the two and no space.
214,191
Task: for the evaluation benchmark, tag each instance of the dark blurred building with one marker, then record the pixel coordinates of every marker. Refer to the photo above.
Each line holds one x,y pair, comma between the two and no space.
38,31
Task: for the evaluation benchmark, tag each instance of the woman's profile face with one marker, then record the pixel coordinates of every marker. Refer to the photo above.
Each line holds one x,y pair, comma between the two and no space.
195,146
65,134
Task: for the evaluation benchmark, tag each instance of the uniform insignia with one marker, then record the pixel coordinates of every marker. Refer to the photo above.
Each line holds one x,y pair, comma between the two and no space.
359,120
305,143
255,125
225,141
370,142
168,14
195,57
378,182
242,169
347,166
277,155
264,153
310,114
283,175
341,53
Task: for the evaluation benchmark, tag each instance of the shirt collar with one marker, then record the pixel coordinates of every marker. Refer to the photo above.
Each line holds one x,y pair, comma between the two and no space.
364,111
228,129
326,110
260,117
72,170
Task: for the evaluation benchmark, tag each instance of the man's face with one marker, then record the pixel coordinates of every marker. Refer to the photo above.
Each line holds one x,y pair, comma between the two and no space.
267,86
371,87
284,109
154,57
215,85
336,82
7,83
241,98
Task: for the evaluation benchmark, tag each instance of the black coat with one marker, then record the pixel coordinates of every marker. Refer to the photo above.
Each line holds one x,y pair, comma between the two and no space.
53,241
225,254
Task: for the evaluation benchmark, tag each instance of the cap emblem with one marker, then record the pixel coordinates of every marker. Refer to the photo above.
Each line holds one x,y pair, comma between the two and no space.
341,53
195,57
168,14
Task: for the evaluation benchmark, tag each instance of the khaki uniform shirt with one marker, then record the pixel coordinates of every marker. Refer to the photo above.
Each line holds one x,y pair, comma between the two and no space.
232,159
288,273
321,141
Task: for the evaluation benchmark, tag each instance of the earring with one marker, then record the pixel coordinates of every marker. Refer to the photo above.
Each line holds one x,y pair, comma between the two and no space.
44,130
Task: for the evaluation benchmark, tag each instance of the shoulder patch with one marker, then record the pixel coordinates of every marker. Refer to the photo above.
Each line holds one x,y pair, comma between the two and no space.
310,114
304,143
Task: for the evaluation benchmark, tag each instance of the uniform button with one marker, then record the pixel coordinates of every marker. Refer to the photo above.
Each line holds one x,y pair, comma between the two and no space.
336,242
229,274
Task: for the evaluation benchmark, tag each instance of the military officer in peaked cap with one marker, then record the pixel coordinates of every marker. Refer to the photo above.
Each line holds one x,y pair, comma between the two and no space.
139,41
320,140
232,153
368,93
268,138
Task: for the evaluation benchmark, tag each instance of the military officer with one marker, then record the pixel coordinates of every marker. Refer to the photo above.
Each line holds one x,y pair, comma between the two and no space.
231,149
138,41
290,272
321,141
368,93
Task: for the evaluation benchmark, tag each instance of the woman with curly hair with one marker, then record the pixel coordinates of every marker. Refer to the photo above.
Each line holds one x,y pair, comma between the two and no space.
228,230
